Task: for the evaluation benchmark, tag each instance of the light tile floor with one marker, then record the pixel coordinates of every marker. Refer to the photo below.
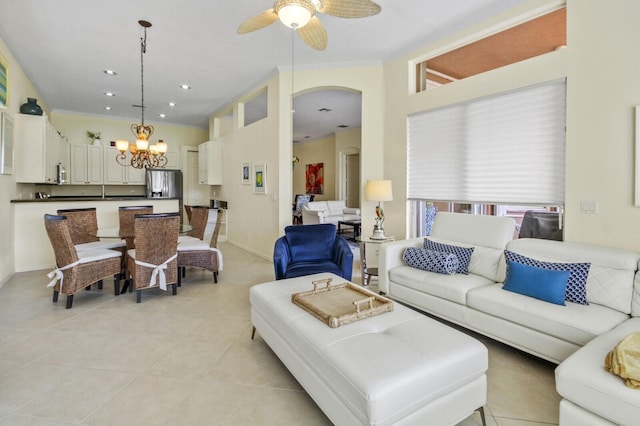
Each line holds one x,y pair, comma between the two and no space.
188,359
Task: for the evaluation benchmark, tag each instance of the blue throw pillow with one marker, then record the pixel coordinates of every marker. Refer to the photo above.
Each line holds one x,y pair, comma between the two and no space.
462,253
577,285
429,260
541,283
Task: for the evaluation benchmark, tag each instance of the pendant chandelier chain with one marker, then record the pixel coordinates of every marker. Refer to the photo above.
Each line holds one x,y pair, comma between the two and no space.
143,50
143,154
293,70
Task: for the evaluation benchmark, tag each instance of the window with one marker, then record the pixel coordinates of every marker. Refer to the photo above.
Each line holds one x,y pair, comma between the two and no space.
423,217
255,109
537,36
486,154
503,149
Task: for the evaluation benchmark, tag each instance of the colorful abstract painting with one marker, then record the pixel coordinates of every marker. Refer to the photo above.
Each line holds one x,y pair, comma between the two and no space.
315,178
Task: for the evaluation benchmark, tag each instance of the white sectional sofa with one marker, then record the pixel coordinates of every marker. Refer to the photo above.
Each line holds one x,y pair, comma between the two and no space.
576,336
591,395
328,212
478,302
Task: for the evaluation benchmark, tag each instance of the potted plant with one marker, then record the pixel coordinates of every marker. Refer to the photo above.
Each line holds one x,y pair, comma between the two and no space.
95,137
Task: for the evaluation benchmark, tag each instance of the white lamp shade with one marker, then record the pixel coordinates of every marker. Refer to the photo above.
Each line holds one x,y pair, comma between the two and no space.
122,145
161,146
378,190
142,144
294,15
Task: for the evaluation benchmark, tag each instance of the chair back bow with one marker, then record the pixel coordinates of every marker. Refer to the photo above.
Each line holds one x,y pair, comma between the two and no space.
57,273
158,271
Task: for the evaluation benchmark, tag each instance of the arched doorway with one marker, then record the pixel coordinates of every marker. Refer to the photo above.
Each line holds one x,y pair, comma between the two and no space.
327,134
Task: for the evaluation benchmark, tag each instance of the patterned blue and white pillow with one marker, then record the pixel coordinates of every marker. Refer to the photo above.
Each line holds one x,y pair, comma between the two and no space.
429,260
462,253
577,285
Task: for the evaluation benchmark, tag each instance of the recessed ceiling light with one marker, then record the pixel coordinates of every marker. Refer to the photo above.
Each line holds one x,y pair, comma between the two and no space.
172,104
108,108
342,126
324,110
185,86
110,72
162,115
109,94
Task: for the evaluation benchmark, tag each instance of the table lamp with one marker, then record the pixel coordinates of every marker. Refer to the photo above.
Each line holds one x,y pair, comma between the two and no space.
378,190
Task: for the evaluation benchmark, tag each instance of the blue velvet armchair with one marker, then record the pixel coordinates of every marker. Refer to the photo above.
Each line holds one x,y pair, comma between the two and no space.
311,249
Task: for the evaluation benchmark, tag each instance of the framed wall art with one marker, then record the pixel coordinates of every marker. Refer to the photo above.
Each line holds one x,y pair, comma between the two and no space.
4,82
246,173
6,144
637,149
260,178
315,178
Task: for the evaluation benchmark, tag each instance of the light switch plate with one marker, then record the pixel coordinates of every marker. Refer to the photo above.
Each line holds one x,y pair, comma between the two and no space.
589,207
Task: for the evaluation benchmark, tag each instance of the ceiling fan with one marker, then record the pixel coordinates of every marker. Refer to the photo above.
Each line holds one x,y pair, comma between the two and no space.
301,16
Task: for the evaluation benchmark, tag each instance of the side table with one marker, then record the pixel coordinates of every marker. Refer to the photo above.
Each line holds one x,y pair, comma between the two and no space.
367,272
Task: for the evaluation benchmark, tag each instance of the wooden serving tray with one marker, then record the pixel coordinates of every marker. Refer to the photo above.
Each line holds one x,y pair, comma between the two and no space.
341,304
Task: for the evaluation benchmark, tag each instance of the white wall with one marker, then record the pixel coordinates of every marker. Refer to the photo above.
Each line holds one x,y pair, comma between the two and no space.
602,89
347,142
74,127
20,88
603,69
319,151
256,221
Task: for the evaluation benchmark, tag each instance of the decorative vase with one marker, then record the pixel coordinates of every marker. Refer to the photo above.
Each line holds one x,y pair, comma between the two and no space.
31,107
97,142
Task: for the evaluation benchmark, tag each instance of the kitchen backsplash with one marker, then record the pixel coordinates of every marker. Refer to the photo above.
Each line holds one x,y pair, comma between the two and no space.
27,191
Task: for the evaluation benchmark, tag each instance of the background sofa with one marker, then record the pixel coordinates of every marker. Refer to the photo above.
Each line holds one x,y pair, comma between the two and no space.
328,212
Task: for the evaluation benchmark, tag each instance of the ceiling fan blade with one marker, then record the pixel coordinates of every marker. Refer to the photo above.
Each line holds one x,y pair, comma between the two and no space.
314,34
262,20
350,8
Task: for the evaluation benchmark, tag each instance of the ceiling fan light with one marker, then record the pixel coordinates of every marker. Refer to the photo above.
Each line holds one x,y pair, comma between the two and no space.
294,13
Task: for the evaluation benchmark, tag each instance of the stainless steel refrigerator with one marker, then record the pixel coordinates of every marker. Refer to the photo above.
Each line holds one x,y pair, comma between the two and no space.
164,183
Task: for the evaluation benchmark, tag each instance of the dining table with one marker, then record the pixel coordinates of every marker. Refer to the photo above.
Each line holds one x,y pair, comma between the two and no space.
116,232
128,236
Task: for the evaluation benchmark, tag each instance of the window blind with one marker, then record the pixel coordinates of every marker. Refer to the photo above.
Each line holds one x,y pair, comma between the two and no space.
504,149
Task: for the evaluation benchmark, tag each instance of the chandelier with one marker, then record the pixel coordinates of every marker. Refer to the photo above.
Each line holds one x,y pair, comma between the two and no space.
143,155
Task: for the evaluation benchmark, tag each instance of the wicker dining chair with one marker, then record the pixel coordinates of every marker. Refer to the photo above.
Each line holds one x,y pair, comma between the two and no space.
76,270
187,209
198,221
154,261
199,254
126,218
83,226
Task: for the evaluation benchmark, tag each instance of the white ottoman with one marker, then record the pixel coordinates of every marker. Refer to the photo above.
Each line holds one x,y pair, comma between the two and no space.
399,367
591,395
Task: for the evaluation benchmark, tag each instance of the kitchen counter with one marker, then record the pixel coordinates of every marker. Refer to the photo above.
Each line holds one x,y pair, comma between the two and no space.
90,198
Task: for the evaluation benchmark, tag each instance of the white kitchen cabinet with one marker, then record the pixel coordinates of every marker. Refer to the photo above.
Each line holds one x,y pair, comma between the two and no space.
117,174
173,160
202,163
86,165
35,141
61,152
210,163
